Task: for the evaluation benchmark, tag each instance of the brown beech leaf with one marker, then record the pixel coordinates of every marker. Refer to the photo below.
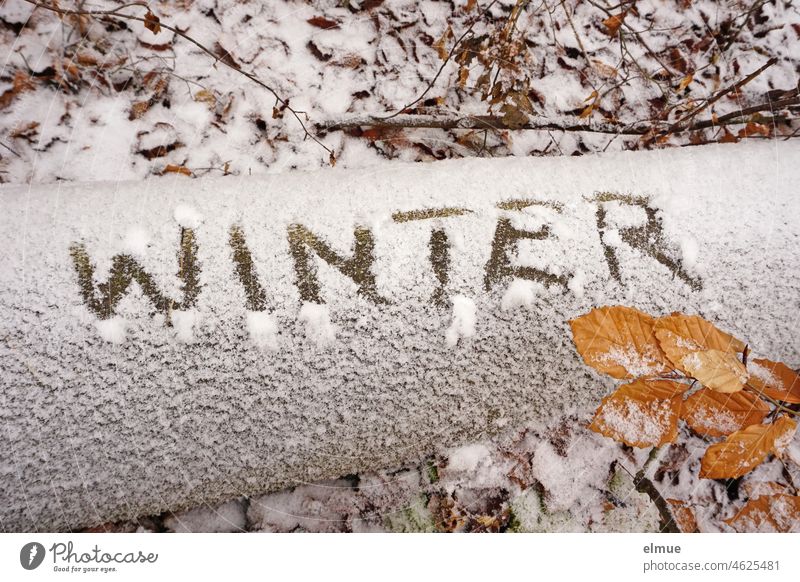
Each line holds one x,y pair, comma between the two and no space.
642,413
21,83
207,97
775,379
152,23
753,128
752,486
463,77
768,513
619,341
322,22
614,22
715,369
714,414
679,334
172,169
683,514
440,45
727,137
685,82
513,117
138,109
603,69
744,450
587,111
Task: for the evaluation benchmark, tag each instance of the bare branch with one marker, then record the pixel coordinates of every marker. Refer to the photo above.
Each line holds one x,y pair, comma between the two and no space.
682,122
444,63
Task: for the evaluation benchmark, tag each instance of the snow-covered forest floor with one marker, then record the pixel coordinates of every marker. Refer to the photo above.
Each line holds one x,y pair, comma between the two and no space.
88,99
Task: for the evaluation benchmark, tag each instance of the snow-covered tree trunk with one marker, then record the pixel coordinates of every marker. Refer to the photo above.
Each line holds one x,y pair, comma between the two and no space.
173,342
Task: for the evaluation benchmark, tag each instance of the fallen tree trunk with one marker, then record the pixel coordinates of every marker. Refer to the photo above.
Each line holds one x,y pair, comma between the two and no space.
176,342
569,124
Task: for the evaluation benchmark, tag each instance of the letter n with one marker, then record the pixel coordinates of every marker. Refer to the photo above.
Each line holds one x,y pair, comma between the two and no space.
357,267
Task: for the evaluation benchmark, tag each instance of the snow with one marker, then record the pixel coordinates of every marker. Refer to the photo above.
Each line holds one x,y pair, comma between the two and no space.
763,374
187,216
612,238
317,319
136,240
635,421
637,361
185,323
467,458
263,329
520,293
719,419
226,518
577,282
464,319
112,330
690,253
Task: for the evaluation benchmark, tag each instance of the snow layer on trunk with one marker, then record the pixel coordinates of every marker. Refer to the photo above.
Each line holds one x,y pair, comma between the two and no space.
163,397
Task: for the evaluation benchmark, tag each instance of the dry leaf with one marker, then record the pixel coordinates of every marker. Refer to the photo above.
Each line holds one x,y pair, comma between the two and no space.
439,45
463,76
513,117
768,513
138,109
679,335
753,128
727,137
714,414
752,486
613,23
206,96
744,450
322,22
152,23
715,369
683,514
21,83
25,131
619,341
587,111
643,413
86,60
775,379
170,169
685,82
603,69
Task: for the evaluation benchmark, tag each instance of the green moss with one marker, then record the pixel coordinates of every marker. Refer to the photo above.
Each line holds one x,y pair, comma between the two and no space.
414,519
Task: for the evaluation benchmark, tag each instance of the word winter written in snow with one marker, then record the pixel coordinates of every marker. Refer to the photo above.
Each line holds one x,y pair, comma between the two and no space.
102,299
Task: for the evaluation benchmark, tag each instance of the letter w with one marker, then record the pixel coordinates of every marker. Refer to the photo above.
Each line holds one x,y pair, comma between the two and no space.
102,299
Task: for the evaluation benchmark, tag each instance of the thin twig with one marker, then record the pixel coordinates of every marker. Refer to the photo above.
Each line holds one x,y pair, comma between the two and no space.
9,148
681,123
444,64
646,486
771,400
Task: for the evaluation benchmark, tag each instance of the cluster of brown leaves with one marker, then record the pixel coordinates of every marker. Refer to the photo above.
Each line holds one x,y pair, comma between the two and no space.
503,63
750,404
